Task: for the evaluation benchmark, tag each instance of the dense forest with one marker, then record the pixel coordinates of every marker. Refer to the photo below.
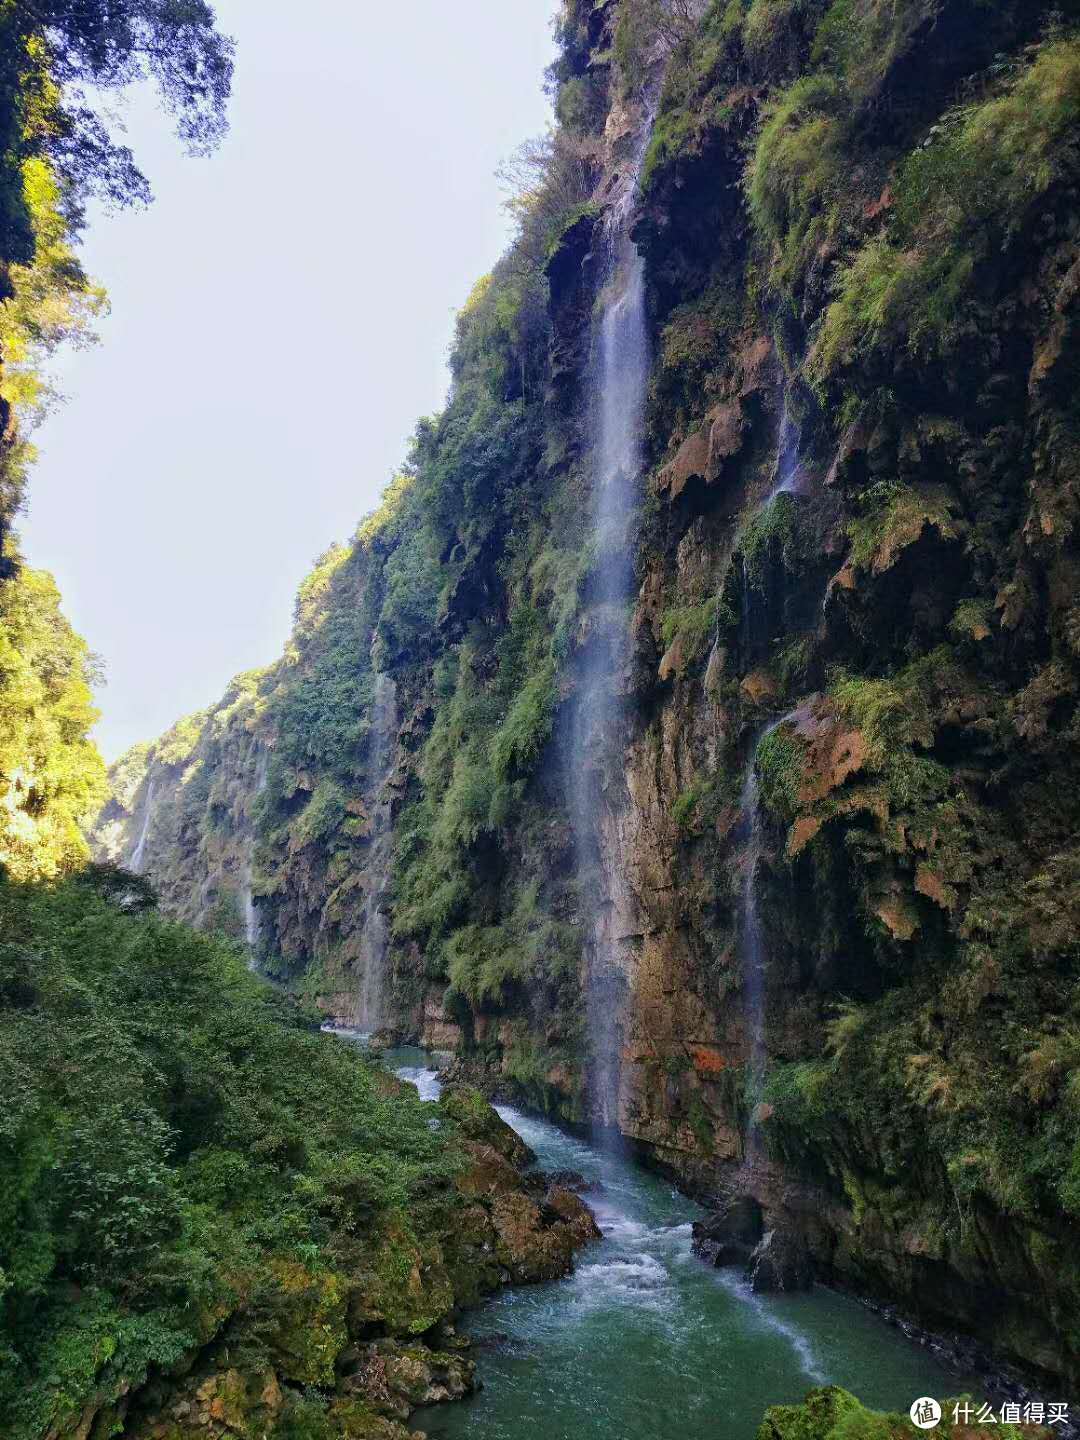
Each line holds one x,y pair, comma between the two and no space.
735,823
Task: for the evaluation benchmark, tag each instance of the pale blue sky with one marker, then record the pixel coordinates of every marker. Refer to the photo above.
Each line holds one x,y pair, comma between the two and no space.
280,319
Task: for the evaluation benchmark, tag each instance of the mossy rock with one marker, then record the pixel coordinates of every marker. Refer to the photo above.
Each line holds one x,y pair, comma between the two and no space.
311,1332
227,1402
407,1288
474,1268
833,1414
353,1420
815,1419
477,1120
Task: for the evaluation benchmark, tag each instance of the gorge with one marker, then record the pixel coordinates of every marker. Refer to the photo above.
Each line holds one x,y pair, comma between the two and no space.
755,480
676,780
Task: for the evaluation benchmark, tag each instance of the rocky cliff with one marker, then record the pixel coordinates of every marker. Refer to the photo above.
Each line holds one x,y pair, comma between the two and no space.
830,865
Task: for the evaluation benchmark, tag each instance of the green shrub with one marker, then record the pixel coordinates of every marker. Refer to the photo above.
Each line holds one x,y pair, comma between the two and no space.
779,761
771,531
796,177
958,198
171,1126
695,625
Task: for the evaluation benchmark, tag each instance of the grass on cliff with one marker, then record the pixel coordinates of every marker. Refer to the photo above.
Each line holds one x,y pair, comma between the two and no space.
174,1140
961,200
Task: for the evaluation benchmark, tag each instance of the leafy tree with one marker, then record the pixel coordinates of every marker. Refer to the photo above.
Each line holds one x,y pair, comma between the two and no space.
108,45
52,776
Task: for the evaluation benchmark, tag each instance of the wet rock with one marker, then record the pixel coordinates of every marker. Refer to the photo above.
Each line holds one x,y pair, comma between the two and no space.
730,1236
478,1121
393,1379
563,1207
780,1261
573,1180
527,1231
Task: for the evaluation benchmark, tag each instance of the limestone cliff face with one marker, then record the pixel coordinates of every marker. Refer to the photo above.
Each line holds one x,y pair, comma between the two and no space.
850,719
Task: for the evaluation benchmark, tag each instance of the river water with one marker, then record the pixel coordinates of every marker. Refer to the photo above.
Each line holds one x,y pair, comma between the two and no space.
644,1341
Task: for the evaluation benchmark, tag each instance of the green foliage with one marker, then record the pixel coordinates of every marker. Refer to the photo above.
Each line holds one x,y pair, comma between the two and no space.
695,625
52,777
770,533
701,68
890,713
486,963
696,339
974,620
892,516
171,1127
55,150
107,47
779,762
686,810
772,31
966,193
796,177
831,1413
643,26
50,301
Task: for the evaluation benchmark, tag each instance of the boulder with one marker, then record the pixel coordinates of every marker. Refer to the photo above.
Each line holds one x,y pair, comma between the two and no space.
731,1234
476,1120
780,1261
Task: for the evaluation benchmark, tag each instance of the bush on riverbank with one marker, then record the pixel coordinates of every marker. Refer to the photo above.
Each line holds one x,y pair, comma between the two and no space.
833,1414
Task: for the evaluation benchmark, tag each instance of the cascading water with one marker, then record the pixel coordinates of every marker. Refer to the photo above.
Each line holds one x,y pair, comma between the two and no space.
247,894
138,855
788,466
374,937
619,375
752,940
786,473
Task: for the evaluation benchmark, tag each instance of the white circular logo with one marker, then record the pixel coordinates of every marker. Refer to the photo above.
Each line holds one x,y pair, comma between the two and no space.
925,1413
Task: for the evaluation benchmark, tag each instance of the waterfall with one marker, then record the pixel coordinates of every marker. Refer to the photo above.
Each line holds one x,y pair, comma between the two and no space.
375,935
247,896
753,955
136,862
618,379
752,950
788,466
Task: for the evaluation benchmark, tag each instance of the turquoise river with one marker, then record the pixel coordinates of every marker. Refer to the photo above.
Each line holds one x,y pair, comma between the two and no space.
645,1341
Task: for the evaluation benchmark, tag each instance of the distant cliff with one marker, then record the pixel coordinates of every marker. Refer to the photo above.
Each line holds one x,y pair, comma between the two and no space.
828,860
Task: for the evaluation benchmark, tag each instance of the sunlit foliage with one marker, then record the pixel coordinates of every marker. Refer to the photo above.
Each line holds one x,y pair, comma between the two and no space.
52,777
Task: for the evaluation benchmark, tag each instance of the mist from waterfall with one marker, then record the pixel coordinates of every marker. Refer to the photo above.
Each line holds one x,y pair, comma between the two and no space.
618,378
374,938
139,853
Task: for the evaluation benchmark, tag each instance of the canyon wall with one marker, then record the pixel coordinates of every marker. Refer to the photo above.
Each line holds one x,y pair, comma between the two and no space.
828,856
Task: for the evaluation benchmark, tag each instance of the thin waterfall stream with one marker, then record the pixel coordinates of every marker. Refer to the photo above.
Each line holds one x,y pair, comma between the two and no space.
753,952
646,1340
619,377
247,891
138,854
375,935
